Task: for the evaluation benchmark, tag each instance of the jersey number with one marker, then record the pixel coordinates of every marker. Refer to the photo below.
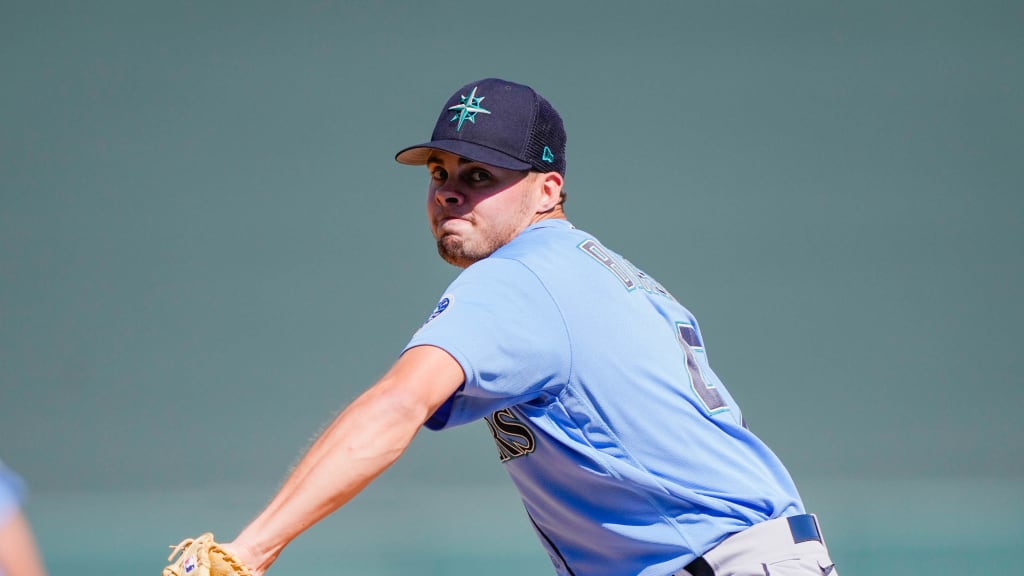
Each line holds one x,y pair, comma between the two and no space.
709,396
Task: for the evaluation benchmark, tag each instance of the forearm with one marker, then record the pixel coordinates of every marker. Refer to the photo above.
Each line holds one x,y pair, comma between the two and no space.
19,555
360,443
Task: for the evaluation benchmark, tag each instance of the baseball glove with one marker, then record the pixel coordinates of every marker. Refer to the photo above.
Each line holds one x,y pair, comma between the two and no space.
203,556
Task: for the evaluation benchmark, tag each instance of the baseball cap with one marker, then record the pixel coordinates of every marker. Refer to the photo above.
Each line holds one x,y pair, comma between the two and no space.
496,122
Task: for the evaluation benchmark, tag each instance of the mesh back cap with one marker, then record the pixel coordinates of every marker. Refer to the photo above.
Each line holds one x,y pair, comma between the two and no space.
496,122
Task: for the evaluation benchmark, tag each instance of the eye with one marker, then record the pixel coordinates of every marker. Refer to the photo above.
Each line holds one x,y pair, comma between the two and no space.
478,175
439,174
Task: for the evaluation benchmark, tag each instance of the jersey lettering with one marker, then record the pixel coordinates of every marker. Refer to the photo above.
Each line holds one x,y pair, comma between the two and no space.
691,344
597,252
513,438
630,276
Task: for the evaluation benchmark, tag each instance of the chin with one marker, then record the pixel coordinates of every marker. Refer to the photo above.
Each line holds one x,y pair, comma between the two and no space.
454,261
451,254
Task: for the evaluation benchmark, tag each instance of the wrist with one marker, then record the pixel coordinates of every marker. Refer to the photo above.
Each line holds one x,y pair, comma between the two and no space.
256,557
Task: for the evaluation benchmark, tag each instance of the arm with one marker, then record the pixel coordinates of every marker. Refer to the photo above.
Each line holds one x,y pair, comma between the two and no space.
366,438
18,553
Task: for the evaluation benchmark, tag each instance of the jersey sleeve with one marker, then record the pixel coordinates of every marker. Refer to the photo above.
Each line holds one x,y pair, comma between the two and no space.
505,330
12,492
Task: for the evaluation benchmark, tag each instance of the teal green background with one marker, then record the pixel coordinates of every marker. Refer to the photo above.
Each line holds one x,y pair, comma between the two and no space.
206,250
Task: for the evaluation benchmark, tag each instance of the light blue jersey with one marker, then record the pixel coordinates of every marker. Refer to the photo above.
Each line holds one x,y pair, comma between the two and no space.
630,455
12,491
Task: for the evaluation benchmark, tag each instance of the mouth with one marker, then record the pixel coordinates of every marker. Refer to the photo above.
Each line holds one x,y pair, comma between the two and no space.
448,222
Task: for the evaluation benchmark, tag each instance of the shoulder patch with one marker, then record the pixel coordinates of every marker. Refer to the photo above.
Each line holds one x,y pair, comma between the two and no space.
442,305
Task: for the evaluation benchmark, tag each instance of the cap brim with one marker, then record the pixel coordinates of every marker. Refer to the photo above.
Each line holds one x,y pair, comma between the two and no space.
419,154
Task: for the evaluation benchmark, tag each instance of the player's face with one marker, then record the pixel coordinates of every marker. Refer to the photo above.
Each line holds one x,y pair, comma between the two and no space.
475,208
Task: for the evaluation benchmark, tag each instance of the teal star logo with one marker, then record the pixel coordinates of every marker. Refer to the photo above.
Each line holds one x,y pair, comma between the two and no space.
467,109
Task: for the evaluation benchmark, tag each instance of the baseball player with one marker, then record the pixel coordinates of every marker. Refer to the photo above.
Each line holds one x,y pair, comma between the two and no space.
630,456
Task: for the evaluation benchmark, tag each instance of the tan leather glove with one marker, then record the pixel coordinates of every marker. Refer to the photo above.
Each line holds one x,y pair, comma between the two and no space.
203,556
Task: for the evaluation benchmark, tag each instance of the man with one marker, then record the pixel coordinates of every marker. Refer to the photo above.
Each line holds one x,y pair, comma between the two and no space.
630,455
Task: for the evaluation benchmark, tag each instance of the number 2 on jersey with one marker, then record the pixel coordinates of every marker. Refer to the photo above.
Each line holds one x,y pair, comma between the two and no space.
691,344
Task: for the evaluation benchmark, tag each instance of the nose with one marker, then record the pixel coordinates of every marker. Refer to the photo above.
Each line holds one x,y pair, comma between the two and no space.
447,195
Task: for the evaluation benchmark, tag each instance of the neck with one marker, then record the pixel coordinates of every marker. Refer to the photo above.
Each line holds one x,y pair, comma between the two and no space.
556,213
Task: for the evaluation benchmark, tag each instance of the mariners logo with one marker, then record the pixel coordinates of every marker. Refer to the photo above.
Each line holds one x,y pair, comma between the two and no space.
467,109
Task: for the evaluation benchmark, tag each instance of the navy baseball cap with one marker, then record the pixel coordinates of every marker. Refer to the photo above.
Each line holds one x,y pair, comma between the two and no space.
496,122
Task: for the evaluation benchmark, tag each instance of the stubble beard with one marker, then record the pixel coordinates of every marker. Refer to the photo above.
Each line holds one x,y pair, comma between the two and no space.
461,253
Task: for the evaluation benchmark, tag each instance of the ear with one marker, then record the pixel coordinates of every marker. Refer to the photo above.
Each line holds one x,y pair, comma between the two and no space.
550,184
